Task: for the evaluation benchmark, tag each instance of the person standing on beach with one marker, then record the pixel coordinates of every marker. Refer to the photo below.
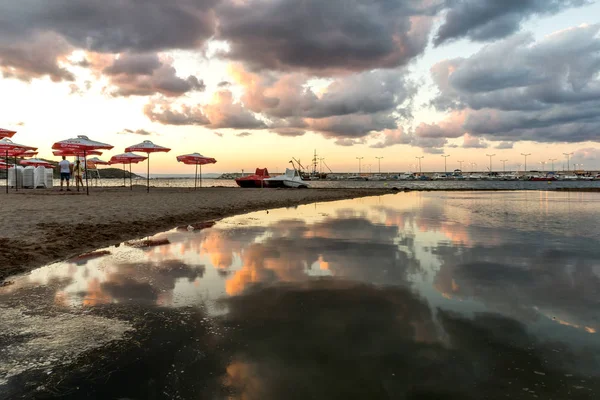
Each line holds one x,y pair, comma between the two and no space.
65,172
78,173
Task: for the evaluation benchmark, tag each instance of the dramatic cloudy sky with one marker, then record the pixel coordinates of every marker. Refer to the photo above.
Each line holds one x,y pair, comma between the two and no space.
255,82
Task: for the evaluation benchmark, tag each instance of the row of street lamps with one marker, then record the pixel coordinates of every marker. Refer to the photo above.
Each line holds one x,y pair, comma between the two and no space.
460,162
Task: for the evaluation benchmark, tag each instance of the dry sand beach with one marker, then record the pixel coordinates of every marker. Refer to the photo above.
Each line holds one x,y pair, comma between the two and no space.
45,226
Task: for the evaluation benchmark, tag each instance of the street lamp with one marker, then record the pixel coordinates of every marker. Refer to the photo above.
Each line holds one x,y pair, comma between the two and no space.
359,159
568,159
525,155
420,158
379,161
504,165
552,161
490,156
445,157
460,163
543,165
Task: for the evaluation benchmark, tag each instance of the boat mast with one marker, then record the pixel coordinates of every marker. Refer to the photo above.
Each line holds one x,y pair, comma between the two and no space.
315,161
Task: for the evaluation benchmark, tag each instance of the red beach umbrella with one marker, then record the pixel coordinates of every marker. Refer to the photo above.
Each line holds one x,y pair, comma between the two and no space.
28,153
127,158
34,162
8,147
72,153
98,161
5,133
196,159
84,144
147,147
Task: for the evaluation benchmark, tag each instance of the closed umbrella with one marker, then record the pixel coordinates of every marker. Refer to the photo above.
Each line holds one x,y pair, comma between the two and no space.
147,147
127,158
196,159
84,144
6,133
10,148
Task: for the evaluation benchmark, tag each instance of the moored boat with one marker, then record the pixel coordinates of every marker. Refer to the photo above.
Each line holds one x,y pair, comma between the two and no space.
291,179
254,181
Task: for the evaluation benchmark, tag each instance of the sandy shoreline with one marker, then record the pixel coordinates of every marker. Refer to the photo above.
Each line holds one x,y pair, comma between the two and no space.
40,227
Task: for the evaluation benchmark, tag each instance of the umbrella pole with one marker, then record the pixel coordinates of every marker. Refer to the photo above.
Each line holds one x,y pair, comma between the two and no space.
16,176
87,188
7,171
200,175
196,178
130,185
148,176
124,173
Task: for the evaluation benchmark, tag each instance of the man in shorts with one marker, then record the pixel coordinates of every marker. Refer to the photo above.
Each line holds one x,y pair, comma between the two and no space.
65,172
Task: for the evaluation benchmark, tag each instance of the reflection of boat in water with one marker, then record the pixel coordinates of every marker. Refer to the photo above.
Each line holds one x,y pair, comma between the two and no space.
254,181
290,179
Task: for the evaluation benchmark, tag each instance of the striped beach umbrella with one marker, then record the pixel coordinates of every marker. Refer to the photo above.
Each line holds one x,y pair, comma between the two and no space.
10,148
6,133
147,147
127,158
82,144
35,162
198,160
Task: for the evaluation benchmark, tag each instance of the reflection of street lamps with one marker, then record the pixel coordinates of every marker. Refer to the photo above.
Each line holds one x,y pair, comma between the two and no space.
490,156
460,163
359,159
568,159
445,157
504,165
420,158
379,161
525,155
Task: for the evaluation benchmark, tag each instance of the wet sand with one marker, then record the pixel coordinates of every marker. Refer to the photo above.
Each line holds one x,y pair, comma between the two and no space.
43,226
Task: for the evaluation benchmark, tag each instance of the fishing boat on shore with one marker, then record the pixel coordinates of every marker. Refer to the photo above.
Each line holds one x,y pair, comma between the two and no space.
254,181
291,179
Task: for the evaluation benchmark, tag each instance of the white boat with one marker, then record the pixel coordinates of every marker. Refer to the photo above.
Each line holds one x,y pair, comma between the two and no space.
408,176
439,177
290,179
567,177
475,177
357,178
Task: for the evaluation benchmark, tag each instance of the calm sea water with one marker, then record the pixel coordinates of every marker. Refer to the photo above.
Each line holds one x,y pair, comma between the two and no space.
408,296
507,185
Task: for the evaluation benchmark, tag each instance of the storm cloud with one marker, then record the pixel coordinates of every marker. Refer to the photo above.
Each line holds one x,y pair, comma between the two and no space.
483,20
323,37
522,89
147,74
222,112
